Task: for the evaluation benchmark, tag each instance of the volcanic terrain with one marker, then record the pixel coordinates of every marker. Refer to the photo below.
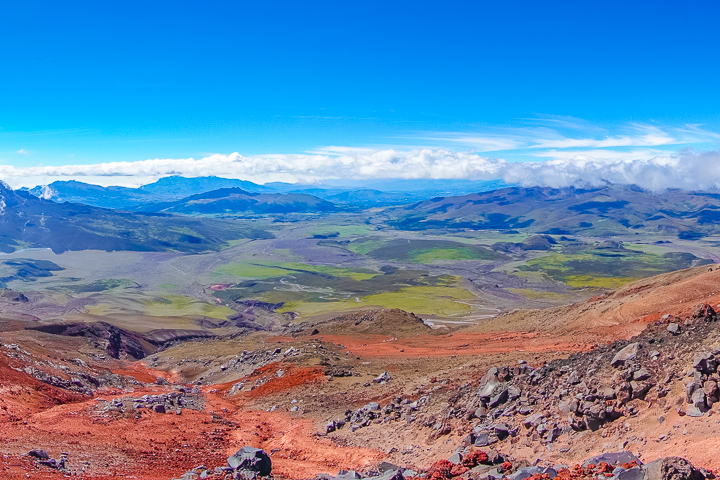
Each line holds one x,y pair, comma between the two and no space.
632,370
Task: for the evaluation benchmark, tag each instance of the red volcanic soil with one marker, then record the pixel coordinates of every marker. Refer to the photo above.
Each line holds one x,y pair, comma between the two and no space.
142,373
21,393
460,343
291,376
137,375
297,451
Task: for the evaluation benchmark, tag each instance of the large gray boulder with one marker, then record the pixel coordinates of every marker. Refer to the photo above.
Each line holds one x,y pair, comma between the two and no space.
705,362
672,468
39,454
251,459
385,467
635,473
626,354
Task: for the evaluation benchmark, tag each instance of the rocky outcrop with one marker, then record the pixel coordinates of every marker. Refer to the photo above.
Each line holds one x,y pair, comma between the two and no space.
122,343
116,341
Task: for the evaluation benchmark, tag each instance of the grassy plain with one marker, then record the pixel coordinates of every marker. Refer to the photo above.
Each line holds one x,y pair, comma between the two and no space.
428,251
444,273
269,269
424,300
341,230
174,305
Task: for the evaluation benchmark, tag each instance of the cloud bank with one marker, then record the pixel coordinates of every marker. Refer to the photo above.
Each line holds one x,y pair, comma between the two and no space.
686,169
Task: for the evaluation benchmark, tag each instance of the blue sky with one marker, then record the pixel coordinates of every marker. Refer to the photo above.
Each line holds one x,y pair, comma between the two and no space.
90,83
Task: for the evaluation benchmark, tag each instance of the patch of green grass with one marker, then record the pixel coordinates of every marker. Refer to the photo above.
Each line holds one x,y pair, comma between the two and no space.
365,245
171,301
434,254
607,265
103,285
232,243
427,251
442,301
646,248
341,230
267,269
355,274
180,305
169,286
537,295
600,282
556,262
186,231
249,270
423,300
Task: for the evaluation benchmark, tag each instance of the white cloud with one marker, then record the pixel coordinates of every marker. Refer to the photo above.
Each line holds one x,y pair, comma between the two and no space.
47,192
641,136
480,143
306,168
23,151
685,169
602,154
560,133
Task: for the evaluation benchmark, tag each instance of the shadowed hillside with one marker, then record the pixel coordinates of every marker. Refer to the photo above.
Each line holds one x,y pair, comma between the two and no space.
30,222
612,210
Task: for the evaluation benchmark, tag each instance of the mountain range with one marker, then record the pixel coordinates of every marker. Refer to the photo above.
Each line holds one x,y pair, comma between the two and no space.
237,200
163,211
610,210
30,222
170,189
